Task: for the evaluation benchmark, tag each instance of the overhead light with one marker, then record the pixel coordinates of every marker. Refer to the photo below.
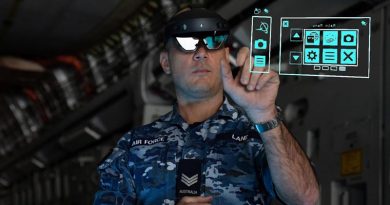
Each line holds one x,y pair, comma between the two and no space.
38,163
92,133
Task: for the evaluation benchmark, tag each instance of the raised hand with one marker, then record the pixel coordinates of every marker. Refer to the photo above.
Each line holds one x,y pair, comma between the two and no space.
254,92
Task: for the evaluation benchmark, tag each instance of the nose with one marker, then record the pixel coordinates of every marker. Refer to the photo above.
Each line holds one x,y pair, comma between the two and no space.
201,53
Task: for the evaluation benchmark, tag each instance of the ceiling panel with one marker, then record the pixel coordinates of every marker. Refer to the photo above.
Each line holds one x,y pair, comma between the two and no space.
47,27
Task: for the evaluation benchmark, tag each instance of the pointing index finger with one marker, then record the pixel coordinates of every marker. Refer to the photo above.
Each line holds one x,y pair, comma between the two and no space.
243,61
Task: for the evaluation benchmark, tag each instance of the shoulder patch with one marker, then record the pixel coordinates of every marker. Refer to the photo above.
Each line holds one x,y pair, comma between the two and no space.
147,141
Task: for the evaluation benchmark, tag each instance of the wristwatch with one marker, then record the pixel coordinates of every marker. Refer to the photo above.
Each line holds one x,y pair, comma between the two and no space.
269,125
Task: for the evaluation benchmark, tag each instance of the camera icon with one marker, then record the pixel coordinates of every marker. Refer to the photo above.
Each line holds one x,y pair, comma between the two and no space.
260,44
349,38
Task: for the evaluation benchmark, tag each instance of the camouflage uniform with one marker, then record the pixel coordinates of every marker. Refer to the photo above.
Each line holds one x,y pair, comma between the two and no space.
142,167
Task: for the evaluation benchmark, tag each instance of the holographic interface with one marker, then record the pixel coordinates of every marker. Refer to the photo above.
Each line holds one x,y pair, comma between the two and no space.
325,46
261,44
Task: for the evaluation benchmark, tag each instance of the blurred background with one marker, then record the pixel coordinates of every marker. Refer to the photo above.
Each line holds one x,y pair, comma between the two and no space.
76,75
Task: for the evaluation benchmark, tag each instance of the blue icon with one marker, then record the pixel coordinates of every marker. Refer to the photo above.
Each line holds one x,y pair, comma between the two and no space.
329,56
349,38
295,58
259,61
295,35
312,55
257,11
264,27
330,38
312,37
266,11
285,24
348,56
364,23
260,44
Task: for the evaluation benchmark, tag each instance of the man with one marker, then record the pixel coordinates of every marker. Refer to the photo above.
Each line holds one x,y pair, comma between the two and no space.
243,153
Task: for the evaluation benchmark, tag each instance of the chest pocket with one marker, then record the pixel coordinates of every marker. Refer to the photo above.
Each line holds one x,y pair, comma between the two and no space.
232,166
153,170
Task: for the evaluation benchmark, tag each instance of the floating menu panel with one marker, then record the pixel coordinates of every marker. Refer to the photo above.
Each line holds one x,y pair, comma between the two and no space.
325,46
260,44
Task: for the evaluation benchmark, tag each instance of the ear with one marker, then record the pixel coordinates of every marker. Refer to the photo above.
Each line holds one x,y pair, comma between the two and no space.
164,62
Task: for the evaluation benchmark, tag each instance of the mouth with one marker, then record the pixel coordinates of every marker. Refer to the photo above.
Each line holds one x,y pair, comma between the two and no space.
201,71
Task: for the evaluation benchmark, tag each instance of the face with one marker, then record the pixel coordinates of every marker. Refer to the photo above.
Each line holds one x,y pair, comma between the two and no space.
195,74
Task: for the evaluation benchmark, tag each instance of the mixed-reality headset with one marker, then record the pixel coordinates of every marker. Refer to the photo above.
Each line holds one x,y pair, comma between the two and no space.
196,26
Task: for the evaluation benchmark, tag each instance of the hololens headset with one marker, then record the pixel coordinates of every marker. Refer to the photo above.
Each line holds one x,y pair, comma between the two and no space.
197,26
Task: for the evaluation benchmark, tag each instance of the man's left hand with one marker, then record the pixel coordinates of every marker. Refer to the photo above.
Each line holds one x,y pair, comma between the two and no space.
254,92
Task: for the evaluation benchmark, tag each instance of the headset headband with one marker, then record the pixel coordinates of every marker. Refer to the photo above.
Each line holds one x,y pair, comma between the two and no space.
194,22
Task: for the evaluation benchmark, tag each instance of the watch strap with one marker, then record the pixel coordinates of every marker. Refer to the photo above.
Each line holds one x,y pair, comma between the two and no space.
271,124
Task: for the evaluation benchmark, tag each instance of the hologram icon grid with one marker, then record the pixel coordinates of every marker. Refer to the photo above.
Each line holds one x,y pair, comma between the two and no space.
341,56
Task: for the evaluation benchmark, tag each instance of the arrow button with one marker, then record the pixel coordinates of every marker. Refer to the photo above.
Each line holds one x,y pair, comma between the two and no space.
296,35
295,58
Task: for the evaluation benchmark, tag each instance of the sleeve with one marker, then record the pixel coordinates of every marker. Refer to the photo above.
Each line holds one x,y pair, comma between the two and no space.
116,185
266,184
267,180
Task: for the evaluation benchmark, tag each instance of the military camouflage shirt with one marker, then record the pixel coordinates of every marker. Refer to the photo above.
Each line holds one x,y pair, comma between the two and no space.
142,167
